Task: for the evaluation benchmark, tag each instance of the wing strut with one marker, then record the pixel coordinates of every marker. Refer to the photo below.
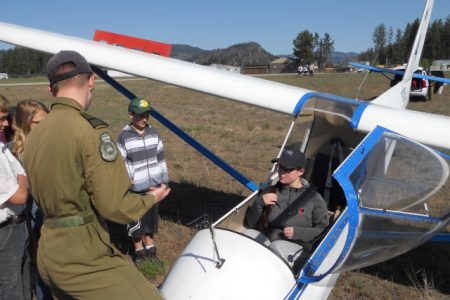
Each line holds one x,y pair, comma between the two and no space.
182,134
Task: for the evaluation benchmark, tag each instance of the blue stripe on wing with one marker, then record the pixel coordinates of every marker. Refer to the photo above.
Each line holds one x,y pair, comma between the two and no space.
398,72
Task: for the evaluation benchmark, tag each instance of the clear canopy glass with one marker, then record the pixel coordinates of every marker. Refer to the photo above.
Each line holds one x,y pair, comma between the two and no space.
401,189
397,196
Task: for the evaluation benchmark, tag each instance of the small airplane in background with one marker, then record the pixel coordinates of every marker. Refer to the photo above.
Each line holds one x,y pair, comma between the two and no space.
366,146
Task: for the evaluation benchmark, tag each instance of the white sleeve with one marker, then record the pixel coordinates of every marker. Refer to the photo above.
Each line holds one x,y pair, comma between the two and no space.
16,166
10,167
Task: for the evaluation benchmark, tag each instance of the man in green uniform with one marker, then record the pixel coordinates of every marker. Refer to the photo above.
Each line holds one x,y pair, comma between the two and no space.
79,181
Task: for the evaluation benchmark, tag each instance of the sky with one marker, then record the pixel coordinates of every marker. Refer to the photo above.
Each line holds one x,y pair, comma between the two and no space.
220,24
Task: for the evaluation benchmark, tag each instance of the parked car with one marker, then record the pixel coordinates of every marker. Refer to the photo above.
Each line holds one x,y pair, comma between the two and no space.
420,88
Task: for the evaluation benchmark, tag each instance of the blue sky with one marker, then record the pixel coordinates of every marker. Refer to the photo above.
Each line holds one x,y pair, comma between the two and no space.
219,24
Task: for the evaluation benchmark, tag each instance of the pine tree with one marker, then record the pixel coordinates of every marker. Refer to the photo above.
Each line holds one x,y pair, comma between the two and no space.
303,47
379,41
328,48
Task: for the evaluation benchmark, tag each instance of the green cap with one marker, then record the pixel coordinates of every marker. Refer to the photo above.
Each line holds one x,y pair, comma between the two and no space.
139,106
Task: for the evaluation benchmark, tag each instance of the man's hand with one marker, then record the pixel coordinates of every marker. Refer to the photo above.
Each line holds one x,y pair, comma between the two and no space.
270,198
159,192
288,232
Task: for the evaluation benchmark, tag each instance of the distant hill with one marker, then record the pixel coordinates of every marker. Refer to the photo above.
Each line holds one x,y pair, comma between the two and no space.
244,54
342,57
186,52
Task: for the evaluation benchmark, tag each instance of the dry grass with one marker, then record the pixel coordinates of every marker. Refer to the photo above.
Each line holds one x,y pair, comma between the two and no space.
247,138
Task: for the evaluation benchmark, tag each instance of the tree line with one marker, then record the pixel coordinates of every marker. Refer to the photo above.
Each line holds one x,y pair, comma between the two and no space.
389,47
20,61
311,48
394,48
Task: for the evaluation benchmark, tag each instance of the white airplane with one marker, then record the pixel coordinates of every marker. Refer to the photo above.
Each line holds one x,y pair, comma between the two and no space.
391,184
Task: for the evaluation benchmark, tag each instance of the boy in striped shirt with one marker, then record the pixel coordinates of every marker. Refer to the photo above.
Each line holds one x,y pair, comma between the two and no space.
142,150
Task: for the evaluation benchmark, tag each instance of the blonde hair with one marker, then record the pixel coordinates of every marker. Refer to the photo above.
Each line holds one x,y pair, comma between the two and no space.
23,117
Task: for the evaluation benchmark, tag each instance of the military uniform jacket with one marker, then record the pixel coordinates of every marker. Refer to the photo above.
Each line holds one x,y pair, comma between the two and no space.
74,170
308,215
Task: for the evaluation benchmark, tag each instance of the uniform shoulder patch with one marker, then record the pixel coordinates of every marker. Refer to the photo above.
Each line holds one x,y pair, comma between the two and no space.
108,149
95,122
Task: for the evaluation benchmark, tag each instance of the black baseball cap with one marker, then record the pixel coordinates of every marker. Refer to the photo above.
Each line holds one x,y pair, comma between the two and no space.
291,158
63,57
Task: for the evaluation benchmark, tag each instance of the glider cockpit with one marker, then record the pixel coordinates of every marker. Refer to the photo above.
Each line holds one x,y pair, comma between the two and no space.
390,189
390,192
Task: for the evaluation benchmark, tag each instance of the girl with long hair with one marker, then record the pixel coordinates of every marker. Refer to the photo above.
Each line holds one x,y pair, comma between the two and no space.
27,115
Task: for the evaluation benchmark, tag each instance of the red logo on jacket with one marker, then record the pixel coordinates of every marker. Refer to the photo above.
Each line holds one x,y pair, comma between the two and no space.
301,210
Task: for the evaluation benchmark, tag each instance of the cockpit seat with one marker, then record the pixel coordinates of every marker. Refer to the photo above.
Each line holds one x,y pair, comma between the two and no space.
289,251
257,236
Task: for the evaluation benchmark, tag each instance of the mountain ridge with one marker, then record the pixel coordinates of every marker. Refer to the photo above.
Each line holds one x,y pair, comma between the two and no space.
242,54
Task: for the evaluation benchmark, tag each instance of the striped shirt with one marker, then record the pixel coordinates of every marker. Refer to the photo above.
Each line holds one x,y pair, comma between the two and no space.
144,157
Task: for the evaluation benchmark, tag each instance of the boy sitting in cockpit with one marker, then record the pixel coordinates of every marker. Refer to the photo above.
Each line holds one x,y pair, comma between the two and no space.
290,214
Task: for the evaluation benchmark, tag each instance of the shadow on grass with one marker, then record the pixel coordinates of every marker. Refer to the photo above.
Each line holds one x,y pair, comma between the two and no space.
186,204
427,267
417,99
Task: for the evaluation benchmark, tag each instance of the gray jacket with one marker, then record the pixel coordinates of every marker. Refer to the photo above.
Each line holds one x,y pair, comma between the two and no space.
308,216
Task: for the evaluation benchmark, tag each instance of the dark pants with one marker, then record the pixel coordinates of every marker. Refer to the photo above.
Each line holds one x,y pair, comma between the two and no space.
148,224
41,289
14,262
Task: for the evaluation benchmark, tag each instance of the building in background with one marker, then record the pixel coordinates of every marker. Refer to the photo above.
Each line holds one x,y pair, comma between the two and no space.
440,65
255,70
283,65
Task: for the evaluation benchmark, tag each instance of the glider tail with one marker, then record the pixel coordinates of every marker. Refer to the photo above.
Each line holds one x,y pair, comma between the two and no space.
398,95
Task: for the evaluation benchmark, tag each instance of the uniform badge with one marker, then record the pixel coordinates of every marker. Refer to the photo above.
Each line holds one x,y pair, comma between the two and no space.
107,147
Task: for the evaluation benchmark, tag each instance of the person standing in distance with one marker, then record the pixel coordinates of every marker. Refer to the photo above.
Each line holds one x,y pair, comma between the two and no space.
78,181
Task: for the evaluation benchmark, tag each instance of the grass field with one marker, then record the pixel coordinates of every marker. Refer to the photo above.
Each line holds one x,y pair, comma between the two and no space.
248,138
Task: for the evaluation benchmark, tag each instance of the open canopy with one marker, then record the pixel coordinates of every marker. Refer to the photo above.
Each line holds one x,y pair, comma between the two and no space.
396,190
